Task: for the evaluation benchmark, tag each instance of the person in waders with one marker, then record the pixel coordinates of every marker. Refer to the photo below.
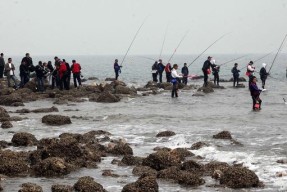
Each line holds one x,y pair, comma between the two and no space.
206,70
235,73
255,93
184,72
174,80
263,75
250,70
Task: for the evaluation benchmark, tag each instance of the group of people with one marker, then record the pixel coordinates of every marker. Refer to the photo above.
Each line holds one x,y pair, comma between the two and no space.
59,75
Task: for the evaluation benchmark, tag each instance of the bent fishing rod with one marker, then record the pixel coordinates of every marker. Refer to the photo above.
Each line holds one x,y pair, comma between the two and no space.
177,46
207,48
133,41
163,42
232,60
280,48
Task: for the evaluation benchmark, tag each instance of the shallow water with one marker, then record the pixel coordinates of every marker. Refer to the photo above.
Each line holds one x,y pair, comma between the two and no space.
263,134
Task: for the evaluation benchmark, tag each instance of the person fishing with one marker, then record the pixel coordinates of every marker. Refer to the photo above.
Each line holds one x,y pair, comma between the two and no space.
117,69
154,71
40,74
29,63
185,72
2,65
250,69
174,80
76,69
206,70
263,75
255,93
215,72
168,72
160,70
235,73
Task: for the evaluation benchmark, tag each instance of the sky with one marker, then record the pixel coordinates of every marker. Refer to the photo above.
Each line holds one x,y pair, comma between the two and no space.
107,27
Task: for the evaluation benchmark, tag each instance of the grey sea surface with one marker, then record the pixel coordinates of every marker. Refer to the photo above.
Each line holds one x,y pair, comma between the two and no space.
263,134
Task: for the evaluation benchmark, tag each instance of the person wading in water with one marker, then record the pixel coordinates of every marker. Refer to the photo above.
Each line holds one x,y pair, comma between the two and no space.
174,80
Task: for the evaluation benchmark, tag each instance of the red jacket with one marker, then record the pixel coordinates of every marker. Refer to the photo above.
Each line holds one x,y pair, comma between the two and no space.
76,68
62,69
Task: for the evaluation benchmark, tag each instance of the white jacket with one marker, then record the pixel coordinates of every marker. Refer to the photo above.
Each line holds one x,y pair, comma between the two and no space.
251,68
174,74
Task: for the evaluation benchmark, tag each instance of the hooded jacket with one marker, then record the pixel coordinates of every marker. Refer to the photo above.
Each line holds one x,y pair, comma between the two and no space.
263,72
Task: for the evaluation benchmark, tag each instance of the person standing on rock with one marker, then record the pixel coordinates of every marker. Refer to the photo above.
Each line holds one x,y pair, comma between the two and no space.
29,63
68,73
235,73
185,73
24,74
215,72
174,80
160,70
40,74
168,72
117,69
206,70
76,70
154,71
2,65
263,75
255,93
62,75
9,71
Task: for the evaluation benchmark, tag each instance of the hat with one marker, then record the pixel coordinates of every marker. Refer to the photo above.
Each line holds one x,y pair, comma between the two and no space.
235,63
264,65
251,62
209,57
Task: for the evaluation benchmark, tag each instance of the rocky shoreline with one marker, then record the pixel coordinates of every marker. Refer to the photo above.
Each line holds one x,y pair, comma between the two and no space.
70,152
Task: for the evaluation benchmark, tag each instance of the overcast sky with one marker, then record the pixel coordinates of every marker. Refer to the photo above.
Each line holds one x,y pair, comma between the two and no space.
88,27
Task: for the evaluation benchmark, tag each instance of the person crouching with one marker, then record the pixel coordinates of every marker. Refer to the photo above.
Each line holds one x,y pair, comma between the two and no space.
174,80
255,93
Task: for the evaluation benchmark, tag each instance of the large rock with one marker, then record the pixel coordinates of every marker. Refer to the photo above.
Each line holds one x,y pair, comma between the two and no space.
193,167
87,184
223,135
215,165
198,145
6,125
207,89
151,84
45,110
161,160
3,113
56,120
144,170
182,153
125,90
239,177
9,100
51,167
3,144
30,187
143,184
121,149
189,179
24,139
106,97
62,188
165,134
131,160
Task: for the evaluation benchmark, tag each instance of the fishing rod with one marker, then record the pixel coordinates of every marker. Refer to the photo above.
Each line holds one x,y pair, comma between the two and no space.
177,46
233,60
208,48
149,58
277,53
133,41
163,42
259,59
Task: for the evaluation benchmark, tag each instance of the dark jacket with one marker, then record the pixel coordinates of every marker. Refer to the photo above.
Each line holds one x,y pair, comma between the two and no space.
29,63
185,71
40,72
215,68
154,66
263,73
2,62
254,90
206,65
117,68
160,67
23,69
235,71
7,69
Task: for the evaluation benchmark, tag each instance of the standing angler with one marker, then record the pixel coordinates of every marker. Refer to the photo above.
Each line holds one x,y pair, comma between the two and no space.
40,74
2,65
206,69
235,73
29,64
185,72
174,80
215,72
250,70
160,70
168,72
255,93
154,71
76,69
263,75
9,71
117,69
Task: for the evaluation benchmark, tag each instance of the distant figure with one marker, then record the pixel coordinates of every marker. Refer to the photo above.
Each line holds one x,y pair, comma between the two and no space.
255,93
215,72
76,70
235,73
206,69
40,74
160,70
24,74
68,74
250,69
154,71
117,69
51,69
185,73
10,73
174,80
263,75
29,63
62,75
2,65
168,72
